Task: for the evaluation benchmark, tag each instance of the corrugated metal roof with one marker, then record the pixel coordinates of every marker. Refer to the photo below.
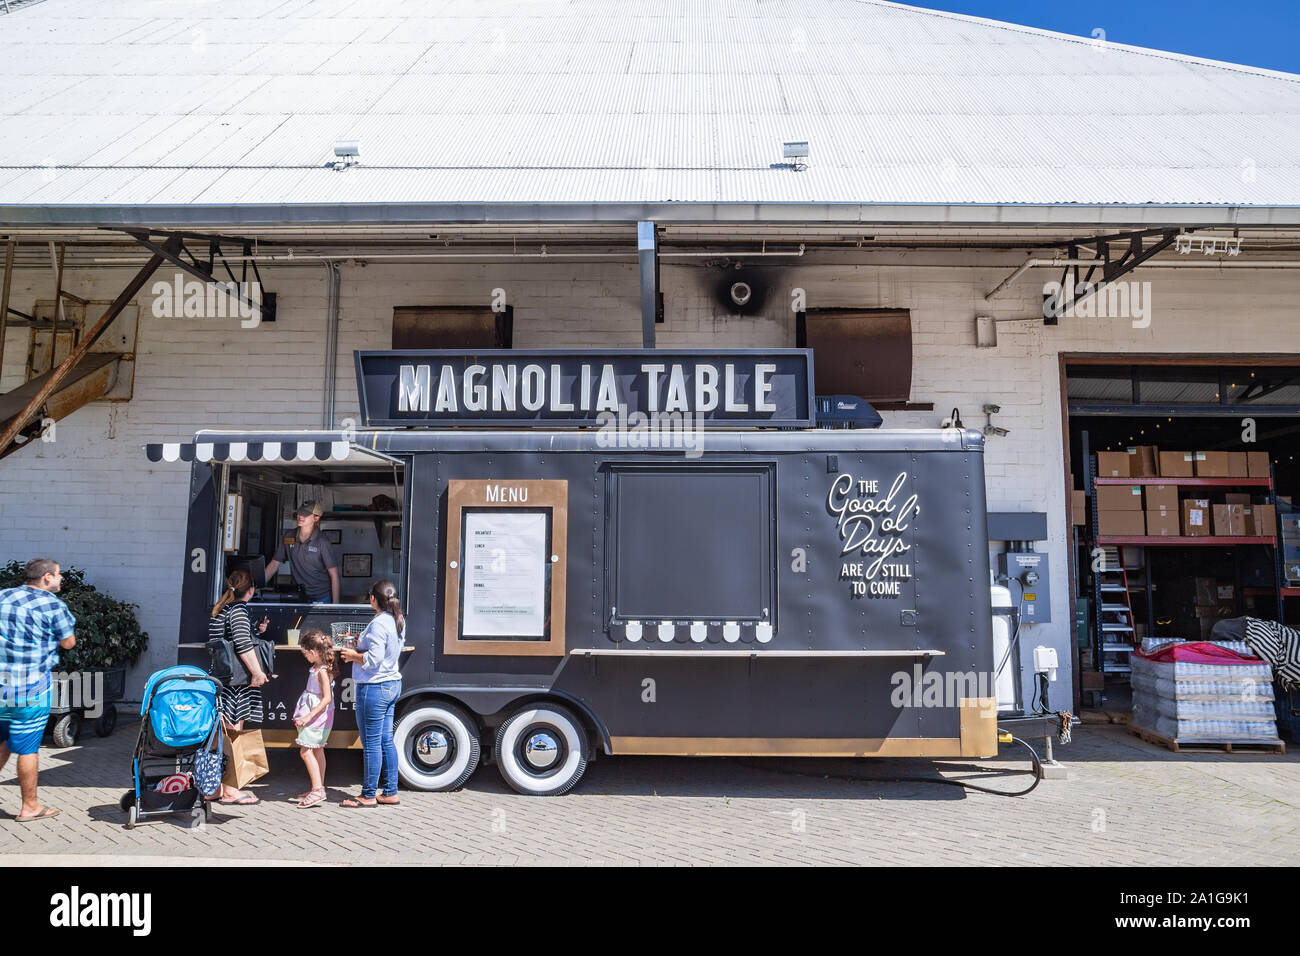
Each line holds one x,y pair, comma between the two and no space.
140,103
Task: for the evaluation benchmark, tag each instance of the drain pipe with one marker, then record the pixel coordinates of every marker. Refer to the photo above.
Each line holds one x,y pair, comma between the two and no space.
331,342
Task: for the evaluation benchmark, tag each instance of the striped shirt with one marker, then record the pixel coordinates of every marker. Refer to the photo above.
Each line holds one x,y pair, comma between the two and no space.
236,699
32,622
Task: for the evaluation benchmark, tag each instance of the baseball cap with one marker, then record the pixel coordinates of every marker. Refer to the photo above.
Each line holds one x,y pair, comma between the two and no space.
309,508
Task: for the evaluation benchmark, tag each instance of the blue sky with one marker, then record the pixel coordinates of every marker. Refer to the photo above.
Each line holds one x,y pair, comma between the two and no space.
1262,33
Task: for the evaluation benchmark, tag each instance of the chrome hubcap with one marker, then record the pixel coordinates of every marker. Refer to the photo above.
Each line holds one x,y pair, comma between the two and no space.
432,747
541,750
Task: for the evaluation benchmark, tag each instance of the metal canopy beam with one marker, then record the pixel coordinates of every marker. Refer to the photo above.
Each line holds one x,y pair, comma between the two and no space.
56,378
1111,269
172,255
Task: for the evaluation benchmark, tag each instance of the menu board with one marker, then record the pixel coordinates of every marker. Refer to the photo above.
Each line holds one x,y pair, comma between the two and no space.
504,575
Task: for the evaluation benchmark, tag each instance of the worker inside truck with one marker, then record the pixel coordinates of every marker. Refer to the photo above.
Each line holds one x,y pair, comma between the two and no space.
312,534
307,551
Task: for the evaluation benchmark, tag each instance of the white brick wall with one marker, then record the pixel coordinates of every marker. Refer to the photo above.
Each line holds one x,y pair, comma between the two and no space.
96,502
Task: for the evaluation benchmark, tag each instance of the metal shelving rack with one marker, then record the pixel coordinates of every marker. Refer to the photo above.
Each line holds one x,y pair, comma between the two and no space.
1150,541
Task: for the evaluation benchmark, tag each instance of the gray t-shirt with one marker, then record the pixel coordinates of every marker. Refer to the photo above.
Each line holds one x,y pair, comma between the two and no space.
310,562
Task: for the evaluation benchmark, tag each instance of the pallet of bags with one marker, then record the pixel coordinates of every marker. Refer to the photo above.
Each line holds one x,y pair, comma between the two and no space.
1203,693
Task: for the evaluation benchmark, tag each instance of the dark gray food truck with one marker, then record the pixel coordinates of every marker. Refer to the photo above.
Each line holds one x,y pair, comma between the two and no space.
603,553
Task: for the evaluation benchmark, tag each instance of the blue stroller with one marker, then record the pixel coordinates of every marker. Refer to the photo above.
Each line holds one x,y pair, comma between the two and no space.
178,719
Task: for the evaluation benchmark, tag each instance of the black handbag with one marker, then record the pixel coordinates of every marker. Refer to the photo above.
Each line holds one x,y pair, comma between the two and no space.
225,665
265,655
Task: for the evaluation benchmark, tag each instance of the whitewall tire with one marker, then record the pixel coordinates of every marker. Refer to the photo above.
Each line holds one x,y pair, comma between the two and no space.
437,746
541,750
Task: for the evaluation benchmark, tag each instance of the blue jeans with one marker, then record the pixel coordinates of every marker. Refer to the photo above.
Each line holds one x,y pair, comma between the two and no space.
375,704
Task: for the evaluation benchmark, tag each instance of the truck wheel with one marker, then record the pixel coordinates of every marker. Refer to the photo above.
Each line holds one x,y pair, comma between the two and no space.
437,747
66,729
106,721
542,750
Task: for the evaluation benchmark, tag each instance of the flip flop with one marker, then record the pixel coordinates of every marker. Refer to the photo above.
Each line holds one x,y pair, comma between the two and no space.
389,801
247,800
45,814
352,804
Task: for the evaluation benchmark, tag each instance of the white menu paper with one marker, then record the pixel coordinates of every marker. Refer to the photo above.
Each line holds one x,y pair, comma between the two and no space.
504,575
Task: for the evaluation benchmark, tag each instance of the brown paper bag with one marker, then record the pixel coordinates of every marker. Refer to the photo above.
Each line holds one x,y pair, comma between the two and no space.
245,757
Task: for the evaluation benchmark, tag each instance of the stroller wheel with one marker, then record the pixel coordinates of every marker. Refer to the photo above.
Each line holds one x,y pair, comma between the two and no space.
127,801
131,817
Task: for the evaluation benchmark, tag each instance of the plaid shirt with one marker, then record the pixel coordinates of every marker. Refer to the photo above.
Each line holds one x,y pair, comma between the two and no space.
32,622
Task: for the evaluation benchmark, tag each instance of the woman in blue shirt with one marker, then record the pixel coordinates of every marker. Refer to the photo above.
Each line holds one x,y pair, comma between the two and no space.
378,685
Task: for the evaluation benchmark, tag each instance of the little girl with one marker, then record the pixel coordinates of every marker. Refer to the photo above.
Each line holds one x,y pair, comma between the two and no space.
314,714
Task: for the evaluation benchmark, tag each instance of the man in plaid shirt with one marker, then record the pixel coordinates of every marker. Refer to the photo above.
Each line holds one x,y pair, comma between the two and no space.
34,624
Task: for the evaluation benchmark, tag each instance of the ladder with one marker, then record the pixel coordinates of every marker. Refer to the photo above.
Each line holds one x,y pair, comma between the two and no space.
1114,614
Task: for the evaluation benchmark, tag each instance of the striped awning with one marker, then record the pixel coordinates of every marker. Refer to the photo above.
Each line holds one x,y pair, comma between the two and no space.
249,451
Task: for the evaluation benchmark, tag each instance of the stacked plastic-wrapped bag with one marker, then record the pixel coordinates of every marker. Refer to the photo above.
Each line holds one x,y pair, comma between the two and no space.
1203,692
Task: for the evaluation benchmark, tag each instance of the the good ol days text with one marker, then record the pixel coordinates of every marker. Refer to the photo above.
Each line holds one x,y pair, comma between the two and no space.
872,525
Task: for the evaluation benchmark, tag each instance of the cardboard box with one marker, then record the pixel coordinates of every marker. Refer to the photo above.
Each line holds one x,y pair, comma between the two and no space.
1078,508
1257,464
1142,461
1237,467
1263,521
1121,523
1092,680
1196,517
1176,464
1234,498
1161,496
1119,497
1163,523
1229,521
1112,464
1212,464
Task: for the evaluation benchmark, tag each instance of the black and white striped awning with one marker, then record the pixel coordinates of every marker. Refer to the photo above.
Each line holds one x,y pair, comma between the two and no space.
267,451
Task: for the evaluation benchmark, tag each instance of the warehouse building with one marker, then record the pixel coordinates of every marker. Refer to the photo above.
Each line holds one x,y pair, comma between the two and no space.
927,200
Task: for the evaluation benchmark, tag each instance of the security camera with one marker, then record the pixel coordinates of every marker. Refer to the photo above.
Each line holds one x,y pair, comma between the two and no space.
992,409
996,430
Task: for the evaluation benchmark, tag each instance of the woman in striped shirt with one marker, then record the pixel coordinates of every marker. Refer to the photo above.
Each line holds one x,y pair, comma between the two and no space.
240,698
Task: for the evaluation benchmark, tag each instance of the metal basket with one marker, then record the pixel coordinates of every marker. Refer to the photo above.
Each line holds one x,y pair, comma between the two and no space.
345,634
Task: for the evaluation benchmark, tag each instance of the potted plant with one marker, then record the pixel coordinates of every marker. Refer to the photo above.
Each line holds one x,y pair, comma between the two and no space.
109,640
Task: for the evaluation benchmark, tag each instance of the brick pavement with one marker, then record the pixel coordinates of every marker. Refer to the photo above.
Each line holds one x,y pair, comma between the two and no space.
1125,803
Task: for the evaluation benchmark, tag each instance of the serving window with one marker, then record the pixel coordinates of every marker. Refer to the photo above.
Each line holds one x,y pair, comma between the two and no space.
506,560
691,543
362,521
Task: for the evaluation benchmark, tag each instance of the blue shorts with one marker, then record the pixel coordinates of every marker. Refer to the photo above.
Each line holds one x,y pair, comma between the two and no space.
22,727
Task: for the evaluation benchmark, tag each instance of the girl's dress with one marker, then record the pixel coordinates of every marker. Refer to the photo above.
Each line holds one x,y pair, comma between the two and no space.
315,733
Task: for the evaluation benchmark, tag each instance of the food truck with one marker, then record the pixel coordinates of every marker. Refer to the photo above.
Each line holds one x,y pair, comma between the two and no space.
604,553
